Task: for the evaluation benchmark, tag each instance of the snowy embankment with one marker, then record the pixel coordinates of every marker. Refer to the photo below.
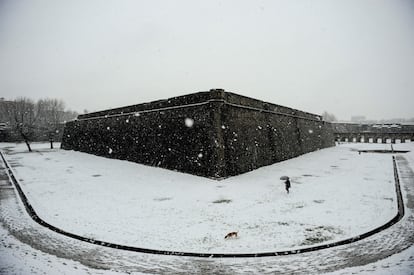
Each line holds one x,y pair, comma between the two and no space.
336,194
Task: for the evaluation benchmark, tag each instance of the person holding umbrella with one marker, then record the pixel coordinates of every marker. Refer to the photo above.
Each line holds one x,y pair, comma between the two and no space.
287,183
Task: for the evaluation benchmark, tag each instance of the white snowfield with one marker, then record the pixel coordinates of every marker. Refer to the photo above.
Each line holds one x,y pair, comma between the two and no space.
336,193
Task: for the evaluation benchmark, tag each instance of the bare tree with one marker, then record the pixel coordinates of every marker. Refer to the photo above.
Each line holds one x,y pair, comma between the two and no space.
23,118
328,117
50,113
69,115
35,121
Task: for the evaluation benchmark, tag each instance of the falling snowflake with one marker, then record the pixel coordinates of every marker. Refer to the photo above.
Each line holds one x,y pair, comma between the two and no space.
223,127
110,151
108,128
310,131
137,114
200,155
189,122
127,121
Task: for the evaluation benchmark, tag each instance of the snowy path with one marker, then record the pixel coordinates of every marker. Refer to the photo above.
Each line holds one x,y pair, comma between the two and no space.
377,247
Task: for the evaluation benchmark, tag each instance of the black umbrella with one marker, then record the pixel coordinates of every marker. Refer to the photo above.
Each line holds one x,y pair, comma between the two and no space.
284,177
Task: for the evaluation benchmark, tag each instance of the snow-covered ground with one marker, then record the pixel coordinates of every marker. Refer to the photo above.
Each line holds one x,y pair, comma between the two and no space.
336,193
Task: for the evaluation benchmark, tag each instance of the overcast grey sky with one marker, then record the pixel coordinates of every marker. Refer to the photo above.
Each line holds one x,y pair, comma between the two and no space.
351,57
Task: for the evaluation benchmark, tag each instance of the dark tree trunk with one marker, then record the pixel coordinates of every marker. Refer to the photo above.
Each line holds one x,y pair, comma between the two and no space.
28,145
51,137
26,140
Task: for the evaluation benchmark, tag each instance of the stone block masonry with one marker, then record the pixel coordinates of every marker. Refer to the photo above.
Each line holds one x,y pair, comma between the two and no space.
215,134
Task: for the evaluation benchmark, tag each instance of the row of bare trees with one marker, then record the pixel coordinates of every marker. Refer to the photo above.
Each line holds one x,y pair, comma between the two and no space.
27,117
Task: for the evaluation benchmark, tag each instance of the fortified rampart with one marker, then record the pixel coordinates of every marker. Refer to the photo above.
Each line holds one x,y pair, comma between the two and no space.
374,133
215,134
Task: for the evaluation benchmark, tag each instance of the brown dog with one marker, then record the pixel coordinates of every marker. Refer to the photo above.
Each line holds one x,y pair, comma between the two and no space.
231,235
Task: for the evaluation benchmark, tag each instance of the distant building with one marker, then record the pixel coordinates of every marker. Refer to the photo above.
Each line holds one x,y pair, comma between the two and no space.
5,129
373,133
5,108
358,119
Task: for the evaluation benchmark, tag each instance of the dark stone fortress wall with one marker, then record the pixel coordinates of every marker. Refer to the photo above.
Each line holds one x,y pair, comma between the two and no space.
258,133
156,138
230,134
